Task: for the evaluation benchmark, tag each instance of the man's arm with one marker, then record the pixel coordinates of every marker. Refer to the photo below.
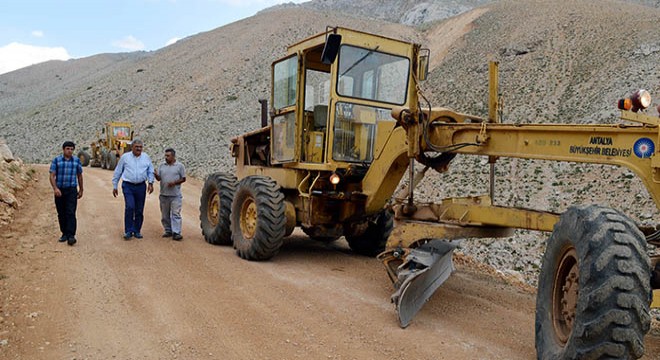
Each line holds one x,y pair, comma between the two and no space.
176,182
80,185
53,184
181,179
150,171
118,171
150,175
53,179
117,175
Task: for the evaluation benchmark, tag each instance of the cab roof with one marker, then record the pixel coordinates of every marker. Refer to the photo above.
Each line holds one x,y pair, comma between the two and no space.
348,35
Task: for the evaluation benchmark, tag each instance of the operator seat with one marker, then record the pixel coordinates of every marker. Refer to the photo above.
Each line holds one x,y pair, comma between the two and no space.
320,116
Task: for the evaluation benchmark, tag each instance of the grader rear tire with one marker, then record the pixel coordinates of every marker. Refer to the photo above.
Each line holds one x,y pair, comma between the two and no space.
215,208
593,297
84,157
258,220
104,159
112,160
372,241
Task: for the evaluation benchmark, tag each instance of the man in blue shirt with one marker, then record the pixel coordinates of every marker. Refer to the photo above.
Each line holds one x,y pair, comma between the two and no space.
134,169
67,182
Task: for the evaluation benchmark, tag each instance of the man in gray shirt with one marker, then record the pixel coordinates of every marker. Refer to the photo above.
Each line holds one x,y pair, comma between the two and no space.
171,175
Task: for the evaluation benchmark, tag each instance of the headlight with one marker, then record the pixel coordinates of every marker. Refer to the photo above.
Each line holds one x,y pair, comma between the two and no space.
334,179
641,99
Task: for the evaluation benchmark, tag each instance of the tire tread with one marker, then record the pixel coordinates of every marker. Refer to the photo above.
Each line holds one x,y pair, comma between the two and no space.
225,185
612,314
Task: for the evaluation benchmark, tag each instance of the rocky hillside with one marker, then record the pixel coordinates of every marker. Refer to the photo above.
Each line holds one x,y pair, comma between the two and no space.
198,93
561,62
408,12
194,95
15,177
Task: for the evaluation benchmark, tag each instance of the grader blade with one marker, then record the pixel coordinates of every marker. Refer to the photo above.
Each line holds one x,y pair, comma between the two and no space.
421,274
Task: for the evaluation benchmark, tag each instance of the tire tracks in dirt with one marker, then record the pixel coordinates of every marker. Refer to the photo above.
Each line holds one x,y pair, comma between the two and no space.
156,298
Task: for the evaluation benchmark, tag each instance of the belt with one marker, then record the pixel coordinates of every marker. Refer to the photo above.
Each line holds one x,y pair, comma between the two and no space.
131,183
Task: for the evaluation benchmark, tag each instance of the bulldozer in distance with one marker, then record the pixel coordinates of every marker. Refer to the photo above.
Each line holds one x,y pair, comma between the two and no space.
347,121
114,140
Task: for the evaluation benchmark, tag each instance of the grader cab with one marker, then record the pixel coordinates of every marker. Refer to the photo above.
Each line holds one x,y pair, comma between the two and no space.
113,141
345,125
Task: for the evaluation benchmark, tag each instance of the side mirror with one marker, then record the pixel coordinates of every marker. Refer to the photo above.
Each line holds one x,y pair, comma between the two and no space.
423,65
331,49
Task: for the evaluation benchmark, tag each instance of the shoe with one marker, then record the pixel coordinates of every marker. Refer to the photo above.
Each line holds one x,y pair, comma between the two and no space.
177,237
63,238
138,235
71,240
128,236
167,234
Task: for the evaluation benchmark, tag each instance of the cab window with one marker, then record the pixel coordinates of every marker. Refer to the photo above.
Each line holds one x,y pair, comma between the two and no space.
284,82
372,75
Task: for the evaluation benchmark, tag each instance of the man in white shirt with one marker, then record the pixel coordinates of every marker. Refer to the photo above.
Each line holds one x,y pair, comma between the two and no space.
134,169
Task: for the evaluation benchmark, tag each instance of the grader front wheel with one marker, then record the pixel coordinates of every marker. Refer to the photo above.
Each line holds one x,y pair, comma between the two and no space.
565,294
258,220
594,285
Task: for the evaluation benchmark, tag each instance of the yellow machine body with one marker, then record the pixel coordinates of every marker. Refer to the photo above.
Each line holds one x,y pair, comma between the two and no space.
345,125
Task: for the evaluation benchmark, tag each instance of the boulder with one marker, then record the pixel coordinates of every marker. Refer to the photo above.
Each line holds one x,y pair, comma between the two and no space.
8,198
5,152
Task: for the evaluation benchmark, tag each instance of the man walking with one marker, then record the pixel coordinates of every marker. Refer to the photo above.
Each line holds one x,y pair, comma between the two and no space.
134,169
171,175
67,182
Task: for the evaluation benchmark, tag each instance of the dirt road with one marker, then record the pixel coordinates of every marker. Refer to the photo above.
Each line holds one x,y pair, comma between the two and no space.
106,298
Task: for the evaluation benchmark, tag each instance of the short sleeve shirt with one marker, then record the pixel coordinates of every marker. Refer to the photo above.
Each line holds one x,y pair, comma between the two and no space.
169,173
66,171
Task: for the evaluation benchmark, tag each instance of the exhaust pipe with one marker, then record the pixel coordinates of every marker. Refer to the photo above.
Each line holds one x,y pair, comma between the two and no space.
264,112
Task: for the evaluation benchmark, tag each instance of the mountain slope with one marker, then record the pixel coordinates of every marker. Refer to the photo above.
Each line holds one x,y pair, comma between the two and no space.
194,95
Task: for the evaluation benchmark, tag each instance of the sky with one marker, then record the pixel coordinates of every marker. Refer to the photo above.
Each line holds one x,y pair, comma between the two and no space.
33,31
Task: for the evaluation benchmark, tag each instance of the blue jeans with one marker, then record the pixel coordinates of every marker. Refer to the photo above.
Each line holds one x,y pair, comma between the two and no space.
134,195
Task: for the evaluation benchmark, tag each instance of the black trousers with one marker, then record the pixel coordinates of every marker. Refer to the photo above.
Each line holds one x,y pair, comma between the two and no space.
66,210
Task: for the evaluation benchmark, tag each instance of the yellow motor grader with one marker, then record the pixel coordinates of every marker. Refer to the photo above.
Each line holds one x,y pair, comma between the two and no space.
347,122
113,141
